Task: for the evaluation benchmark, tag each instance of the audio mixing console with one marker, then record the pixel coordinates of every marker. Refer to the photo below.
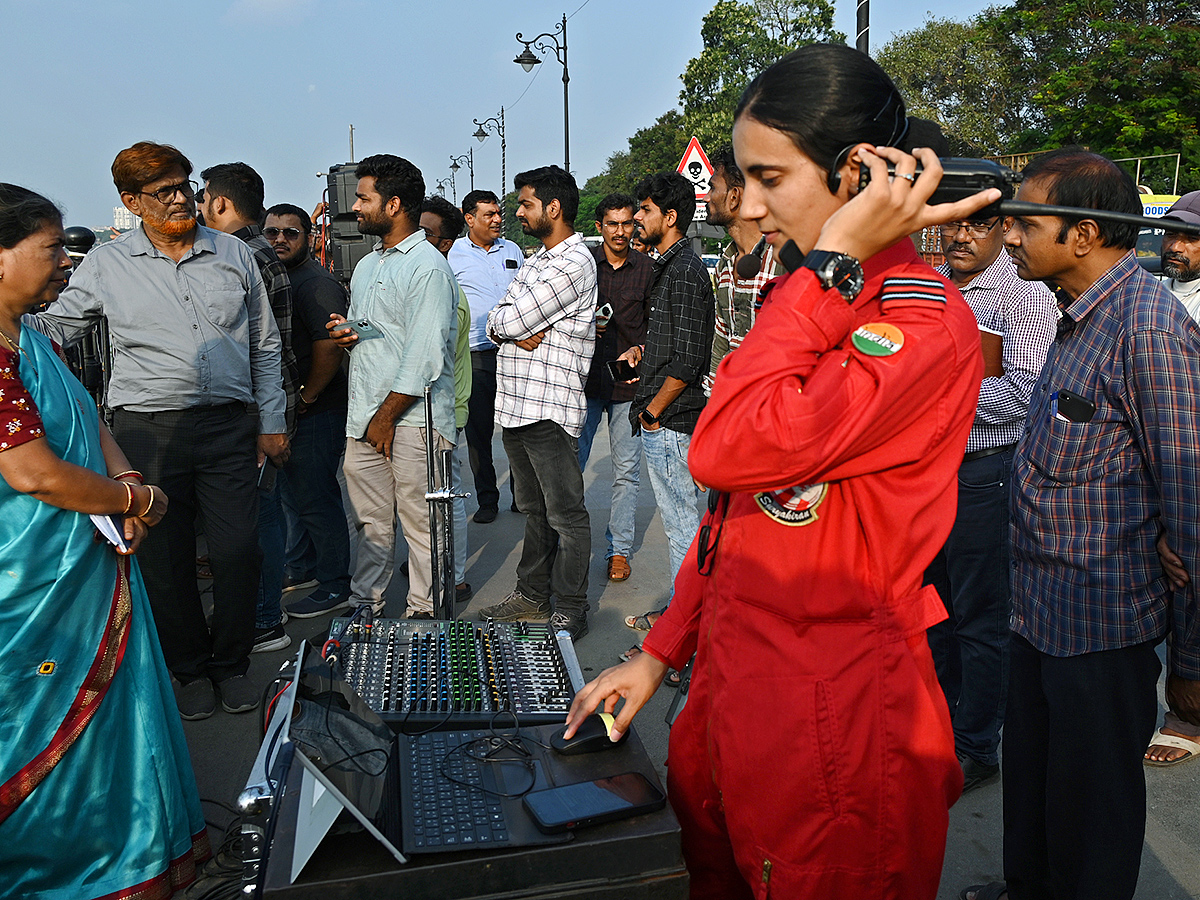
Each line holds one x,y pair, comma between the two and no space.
425,673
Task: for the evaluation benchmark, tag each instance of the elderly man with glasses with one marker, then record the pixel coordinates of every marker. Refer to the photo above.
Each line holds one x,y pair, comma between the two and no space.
197,402
971,572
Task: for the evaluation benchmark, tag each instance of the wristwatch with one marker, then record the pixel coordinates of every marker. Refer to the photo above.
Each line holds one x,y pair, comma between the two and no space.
836,270
648,417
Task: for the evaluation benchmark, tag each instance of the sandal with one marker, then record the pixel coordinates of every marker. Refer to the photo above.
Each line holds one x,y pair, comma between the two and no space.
1191,749
644,622
673,678
993,891
631,653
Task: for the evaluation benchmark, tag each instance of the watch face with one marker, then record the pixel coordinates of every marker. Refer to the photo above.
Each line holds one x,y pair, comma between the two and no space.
847,276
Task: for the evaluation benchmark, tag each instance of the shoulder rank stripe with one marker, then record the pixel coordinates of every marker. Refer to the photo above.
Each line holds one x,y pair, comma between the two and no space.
913,292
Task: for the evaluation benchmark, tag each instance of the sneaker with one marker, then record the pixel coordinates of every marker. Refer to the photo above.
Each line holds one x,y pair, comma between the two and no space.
516,607
977,774
298,584
196,699
575,626
485,514
237,694
273,638
318,603
463,593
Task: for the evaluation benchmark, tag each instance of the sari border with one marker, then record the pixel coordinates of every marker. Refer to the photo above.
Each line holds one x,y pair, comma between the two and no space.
91,693
180,872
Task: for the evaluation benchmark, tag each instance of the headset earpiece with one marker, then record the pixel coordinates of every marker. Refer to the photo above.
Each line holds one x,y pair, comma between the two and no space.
834,179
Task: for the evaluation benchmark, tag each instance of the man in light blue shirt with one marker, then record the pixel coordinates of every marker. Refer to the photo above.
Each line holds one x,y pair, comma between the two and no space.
405,289
484,264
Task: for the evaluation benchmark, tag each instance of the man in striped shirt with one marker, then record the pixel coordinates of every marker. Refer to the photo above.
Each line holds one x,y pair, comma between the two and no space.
970,649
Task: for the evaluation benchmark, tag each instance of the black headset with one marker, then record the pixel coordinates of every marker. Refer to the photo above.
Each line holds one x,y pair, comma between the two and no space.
834,179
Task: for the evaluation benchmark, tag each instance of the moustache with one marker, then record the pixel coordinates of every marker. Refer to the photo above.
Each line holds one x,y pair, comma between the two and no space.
955,247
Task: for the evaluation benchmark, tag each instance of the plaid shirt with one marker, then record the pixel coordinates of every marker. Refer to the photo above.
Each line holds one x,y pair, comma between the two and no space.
1090,498
1024,313
279,295
679,338
555,292
737,304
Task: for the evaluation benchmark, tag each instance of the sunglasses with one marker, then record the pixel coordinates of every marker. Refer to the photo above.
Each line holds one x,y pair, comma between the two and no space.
290,233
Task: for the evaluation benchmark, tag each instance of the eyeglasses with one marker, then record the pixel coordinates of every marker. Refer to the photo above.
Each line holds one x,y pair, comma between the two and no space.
974,229
165,195
429,233
290,233
613,226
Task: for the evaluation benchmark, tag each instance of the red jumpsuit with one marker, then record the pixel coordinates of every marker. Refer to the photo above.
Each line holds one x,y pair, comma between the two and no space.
815,758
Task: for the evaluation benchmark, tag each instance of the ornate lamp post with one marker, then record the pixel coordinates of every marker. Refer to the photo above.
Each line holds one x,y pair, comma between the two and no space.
527,59
469,158
493,124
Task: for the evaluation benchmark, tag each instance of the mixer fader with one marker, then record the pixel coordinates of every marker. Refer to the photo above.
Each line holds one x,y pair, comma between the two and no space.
424,673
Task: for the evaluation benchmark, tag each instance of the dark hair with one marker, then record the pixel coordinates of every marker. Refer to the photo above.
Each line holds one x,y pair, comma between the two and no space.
453,221
552,183
723,161
670,190
1078,177
22,213
614,201
827,98
290,209
395,177
240,185
926,133
474,198
144,162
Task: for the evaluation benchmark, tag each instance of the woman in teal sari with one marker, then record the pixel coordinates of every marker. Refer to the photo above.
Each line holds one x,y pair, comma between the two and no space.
97,795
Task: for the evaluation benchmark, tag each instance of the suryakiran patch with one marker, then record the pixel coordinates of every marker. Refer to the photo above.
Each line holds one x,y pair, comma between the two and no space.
795,505
878,339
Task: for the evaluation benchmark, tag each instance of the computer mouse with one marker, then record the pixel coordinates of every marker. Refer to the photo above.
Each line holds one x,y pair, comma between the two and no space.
591,736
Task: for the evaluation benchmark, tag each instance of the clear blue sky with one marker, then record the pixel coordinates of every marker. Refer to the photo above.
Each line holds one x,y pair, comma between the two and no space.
276,84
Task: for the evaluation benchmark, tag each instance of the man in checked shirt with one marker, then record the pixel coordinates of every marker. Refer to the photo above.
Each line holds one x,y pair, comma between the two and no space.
545,326
970,649
1106,470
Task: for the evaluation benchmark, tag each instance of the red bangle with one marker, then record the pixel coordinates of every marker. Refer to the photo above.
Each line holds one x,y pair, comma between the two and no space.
132,473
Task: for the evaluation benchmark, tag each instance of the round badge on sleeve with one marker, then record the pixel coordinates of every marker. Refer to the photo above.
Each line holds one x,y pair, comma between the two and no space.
878,339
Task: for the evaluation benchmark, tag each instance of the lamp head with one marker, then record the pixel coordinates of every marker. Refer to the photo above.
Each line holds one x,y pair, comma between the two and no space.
527,59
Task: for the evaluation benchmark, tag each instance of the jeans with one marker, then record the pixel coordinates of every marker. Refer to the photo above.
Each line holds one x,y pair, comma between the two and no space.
971,574
318,539
558,535
460,514
625,450
267,612
674,491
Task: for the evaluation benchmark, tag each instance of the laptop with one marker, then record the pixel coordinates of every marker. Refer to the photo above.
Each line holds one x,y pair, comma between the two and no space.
414,793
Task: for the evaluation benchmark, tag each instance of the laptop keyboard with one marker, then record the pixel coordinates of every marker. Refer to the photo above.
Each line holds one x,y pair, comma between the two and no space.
446,813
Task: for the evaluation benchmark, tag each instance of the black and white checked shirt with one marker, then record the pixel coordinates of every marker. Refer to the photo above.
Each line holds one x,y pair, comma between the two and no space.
1024,312
679,337
555,292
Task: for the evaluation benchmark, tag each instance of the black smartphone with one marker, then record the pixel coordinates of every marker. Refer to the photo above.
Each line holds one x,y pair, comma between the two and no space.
266,476
1072,408
621,370
568,806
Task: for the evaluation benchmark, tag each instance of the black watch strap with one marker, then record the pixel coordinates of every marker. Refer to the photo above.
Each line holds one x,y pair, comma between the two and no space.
648,417
837,271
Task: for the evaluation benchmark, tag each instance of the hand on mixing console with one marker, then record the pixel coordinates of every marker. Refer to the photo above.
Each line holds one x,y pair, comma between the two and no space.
635,681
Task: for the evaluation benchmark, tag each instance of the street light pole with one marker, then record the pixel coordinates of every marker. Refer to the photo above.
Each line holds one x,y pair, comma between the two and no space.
469,156
441,186
527,59
481,133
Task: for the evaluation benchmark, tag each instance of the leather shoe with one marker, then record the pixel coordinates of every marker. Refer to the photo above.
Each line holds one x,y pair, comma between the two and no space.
977,774
485,514
618,568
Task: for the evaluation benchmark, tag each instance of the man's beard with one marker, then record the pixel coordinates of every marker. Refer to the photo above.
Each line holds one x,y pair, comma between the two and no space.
718,217
1176,266
538,228
168,226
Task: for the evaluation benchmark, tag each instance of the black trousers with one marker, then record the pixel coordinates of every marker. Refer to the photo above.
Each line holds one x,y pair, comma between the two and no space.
205,459
481,423
1074,783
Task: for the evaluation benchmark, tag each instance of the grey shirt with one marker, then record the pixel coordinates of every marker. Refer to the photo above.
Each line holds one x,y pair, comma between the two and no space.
194,333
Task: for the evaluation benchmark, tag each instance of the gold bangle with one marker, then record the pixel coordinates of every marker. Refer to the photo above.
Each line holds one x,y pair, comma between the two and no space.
128,497
132,473
149,505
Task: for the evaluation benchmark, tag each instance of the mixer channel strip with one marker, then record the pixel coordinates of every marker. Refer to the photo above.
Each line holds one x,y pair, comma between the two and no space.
420,673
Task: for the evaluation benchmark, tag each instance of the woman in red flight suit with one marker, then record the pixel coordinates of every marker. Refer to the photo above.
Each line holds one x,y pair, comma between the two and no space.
815,757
